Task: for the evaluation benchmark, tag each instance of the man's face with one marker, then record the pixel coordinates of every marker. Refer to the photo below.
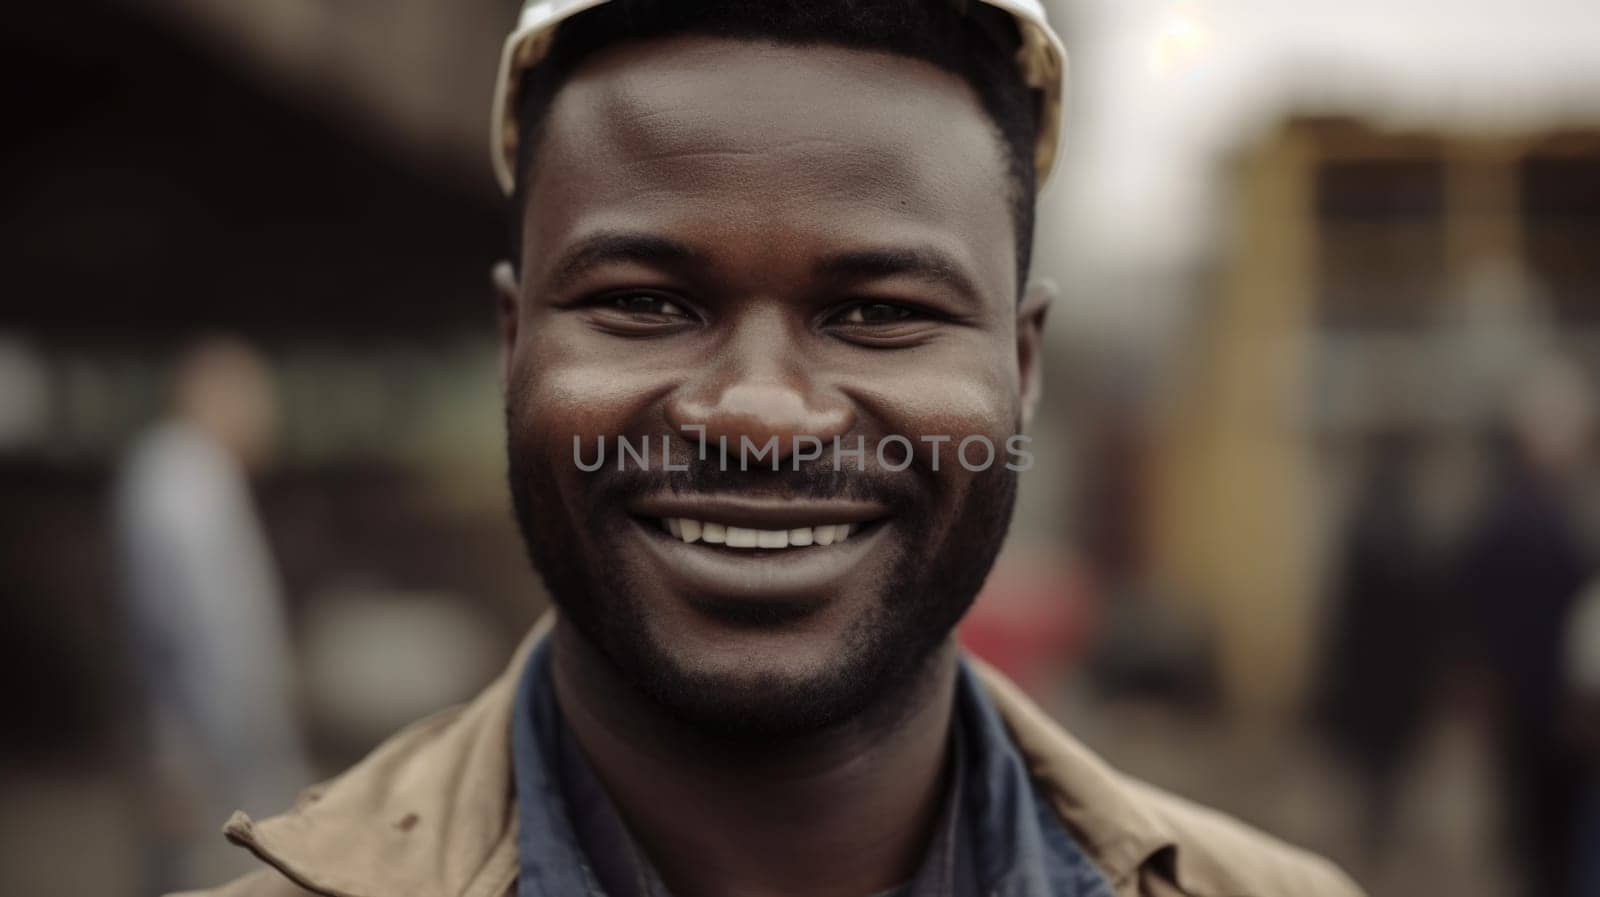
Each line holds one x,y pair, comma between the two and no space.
765,241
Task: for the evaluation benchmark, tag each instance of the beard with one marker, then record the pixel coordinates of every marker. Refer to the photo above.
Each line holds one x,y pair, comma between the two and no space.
880,659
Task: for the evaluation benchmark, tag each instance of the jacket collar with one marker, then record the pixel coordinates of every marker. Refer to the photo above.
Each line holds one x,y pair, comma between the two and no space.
432,811
1103,808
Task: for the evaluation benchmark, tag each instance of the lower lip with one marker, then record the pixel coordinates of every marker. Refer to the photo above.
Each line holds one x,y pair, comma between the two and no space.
804,575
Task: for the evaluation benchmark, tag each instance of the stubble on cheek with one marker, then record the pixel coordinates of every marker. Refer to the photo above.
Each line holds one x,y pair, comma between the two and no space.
950,533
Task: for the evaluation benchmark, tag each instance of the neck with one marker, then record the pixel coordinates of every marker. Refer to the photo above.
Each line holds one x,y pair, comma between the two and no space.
837,813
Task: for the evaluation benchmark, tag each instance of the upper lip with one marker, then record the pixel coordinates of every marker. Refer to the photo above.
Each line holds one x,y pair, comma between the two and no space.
758,512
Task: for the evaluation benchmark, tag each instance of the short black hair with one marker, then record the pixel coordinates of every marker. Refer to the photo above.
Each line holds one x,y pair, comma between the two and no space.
964,37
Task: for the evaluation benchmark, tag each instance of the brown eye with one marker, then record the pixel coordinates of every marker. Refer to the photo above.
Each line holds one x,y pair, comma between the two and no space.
647,304
877,313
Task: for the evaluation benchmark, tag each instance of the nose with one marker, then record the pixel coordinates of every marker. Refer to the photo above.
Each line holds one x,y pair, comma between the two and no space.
759,387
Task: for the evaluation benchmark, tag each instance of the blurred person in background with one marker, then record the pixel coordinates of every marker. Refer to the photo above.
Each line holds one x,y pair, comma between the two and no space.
1381,663
206,612
768,221
1523,567
1583,683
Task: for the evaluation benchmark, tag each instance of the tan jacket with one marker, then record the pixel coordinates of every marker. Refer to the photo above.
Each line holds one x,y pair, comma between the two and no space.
431,813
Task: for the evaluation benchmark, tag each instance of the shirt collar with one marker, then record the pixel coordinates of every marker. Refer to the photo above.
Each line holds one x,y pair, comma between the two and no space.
995,837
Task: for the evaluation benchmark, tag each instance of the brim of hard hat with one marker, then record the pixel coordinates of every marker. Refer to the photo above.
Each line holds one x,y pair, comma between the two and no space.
1042,60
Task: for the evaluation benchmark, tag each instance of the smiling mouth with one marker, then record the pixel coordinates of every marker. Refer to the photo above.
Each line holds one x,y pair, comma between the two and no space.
724,550
692,531
758,525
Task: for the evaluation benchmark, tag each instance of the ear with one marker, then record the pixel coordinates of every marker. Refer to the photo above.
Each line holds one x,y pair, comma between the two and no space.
508,308
1031,315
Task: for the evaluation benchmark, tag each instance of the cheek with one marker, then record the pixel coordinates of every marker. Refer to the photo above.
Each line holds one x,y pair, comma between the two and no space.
971,393
561,393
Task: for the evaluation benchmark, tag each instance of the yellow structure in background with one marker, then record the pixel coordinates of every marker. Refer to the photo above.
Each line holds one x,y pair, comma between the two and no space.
1232,486
1341,237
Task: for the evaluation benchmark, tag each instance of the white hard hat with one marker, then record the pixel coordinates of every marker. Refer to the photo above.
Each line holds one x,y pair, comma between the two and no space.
1042,60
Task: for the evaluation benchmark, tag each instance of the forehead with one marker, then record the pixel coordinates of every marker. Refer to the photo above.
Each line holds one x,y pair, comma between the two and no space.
818,143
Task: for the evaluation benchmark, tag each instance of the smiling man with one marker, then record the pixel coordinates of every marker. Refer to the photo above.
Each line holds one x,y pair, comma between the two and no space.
768,353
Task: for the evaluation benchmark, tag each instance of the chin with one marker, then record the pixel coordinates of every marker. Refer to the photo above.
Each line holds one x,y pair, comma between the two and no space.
761,682
757,703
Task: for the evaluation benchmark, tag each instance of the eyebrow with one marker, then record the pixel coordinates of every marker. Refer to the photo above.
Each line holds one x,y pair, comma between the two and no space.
922,262
615,246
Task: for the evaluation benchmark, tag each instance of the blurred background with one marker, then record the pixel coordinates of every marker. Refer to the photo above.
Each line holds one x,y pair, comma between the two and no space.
1313,536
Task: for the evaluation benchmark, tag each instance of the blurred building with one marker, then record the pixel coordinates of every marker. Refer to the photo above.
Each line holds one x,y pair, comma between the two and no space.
305,176
1373,281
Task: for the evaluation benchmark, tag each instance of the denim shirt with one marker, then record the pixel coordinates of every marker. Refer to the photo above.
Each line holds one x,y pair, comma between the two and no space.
996,836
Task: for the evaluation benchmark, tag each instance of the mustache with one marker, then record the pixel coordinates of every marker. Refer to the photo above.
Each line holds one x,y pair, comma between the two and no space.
809,480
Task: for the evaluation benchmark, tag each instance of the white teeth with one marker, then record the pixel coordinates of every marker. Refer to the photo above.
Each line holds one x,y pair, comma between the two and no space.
692,531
